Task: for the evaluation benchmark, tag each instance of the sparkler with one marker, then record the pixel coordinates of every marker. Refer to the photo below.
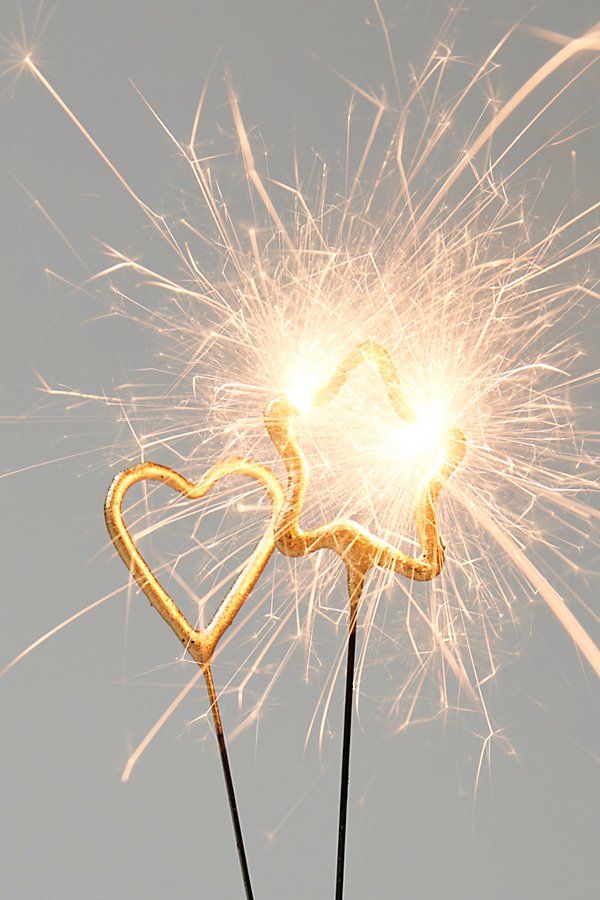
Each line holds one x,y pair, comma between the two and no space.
440,262
359,550
200,644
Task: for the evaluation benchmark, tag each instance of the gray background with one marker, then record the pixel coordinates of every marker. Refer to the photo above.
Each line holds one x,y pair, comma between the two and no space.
73,709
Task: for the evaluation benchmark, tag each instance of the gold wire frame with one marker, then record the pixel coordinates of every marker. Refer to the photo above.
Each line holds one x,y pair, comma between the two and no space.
199,643
359,549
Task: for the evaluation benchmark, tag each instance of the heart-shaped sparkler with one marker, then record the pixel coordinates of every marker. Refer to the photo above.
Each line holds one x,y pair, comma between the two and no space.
199,643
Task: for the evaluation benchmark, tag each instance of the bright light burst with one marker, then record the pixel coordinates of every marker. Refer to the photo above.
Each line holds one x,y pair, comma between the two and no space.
432,250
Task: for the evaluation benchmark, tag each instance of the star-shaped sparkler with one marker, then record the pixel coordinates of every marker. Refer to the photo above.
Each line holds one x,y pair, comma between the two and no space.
359,549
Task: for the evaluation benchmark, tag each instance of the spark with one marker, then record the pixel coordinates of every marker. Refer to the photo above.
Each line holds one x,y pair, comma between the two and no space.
435,253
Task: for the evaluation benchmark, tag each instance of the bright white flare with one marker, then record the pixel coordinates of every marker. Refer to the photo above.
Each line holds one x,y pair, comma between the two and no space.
433,253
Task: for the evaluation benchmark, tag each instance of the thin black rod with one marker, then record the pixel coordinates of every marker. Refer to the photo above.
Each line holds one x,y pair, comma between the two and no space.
354,590
235,818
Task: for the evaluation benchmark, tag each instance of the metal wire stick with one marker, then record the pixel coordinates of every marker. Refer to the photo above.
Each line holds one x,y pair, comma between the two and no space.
233,809
355,584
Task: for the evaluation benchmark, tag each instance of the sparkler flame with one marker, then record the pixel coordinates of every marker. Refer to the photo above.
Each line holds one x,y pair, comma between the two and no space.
443,265
359,549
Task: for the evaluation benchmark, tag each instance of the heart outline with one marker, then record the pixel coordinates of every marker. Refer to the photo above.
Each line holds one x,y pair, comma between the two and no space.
199,643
